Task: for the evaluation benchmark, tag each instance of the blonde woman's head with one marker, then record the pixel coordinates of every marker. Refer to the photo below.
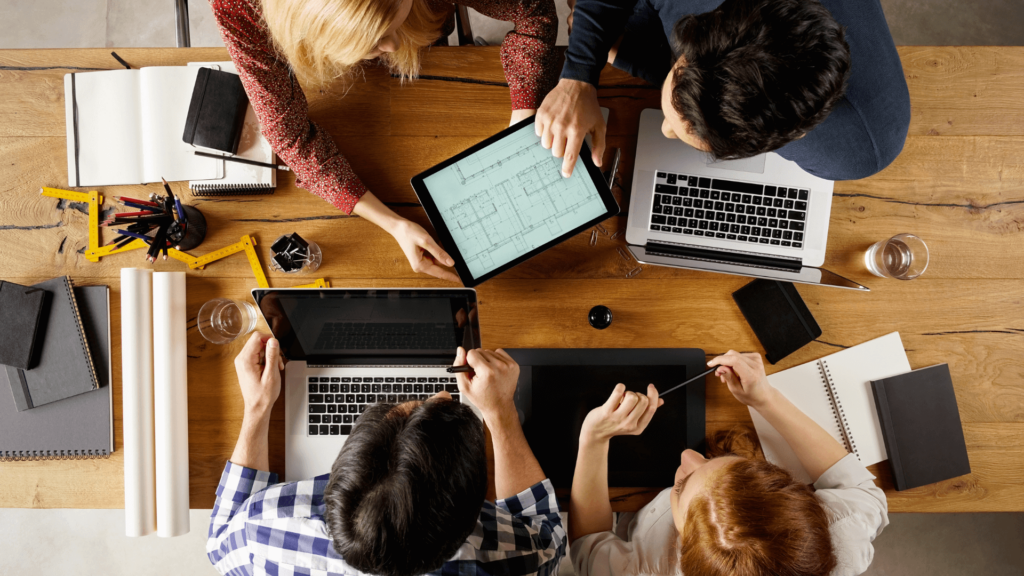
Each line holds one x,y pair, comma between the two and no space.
328,39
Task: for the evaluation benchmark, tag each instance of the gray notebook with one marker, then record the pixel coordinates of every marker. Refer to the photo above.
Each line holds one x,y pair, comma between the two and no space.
81,426
65,367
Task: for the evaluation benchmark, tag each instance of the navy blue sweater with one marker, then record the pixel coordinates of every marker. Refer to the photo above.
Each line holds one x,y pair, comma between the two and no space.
863,134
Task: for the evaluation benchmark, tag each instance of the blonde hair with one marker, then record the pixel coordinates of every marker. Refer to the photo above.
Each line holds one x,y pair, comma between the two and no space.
324,40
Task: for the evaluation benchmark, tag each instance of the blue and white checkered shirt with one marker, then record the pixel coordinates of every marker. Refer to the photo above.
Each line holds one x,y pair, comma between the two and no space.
261,527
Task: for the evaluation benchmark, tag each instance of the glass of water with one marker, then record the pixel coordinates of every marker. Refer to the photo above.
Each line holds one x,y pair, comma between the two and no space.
903,257
222,320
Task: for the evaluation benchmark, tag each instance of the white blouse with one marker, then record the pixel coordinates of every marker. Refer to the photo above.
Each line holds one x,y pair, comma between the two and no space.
647,543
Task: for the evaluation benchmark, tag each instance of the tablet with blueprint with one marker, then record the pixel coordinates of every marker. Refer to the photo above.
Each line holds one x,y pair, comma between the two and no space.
504,200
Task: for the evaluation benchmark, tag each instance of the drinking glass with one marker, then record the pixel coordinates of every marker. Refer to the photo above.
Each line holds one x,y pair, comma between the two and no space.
221,320
903,257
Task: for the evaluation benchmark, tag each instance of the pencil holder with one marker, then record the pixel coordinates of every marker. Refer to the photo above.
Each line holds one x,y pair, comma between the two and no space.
195,232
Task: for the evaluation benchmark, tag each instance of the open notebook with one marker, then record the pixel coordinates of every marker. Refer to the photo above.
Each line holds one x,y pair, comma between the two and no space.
124,127
835,391
241,179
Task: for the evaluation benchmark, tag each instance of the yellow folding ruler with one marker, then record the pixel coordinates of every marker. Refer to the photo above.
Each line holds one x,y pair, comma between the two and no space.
320,283
98,253
95,200
247,245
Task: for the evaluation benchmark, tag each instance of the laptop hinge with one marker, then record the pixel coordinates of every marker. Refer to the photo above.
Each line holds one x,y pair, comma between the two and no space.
722,256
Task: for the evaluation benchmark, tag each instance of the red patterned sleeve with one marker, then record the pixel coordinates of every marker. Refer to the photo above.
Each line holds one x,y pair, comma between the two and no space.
528,52
282,109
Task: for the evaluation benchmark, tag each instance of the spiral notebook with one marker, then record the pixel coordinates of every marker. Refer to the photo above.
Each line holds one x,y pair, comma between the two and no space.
65,366
241,179
81,426
835,391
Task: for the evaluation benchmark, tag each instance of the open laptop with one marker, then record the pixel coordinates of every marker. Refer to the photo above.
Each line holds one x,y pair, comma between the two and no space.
762,217
348,349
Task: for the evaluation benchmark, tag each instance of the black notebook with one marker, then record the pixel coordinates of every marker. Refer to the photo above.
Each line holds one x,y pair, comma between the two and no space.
81,426
216,112
921,427
65,366
22,312
780,319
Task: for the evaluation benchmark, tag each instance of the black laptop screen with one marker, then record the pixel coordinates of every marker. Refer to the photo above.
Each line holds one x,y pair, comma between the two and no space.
346,326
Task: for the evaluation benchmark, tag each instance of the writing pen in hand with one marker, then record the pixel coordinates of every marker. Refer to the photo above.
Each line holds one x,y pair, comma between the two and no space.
694,379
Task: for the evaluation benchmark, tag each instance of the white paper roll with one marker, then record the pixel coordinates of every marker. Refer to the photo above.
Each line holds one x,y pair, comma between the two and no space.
137,394
170,388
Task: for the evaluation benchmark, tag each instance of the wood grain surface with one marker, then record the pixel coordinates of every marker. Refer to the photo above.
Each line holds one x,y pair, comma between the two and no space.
959,183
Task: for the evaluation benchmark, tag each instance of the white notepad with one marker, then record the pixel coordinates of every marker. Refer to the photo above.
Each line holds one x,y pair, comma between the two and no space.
241,178
125,127
835,392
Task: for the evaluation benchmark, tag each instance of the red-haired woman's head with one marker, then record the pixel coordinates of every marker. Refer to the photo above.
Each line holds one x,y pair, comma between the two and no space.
743,516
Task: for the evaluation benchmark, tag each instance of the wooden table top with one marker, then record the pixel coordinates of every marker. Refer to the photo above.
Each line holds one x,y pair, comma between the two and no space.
959,184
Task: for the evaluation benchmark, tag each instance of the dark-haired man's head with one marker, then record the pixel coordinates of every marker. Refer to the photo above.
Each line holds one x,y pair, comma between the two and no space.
753,75
406,490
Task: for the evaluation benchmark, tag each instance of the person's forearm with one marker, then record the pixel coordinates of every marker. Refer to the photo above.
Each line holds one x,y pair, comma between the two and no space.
816,448
371,208
252,449
590,509
515,466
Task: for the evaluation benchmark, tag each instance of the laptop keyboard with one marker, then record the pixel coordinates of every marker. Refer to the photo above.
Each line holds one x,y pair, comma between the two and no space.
729,210
335,402
396,336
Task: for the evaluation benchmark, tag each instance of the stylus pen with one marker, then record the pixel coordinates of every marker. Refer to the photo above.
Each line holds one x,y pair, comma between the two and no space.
460,369
243,161
694,379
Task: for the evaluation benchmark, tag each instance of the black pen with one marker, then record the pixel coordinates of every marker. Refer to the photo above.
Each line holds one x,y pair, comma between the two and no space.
243,161
694,379
460,369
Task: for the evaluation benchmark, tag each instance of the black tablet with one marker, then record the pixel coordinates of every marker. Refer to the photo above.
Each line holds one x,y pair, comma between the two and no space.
557,388
505,200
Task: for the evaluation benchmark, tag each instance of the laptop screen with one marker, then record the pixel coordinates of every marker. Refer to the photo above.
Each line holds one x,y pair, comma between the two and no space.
348,326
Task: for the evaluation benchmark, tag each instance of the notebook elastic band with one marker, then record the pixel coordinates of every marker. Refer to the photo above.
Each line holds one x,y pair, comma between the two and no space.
796,310
74,114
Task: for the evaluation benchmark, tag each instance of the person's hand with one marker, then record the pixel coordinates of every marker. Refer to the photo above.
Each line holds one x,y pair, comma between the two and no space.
259,375
623,414
745,377
520,115
424,253
491,386
567,115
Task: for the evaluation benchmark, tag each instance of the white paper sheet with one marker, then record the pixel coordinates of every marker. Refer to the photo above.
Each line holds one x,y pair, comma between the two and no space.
170,391
109,128
166,92
137,394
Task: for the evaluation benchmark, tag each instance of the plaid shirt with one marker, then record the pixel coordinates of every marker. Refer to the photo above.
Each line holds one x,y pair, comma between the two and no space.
261,527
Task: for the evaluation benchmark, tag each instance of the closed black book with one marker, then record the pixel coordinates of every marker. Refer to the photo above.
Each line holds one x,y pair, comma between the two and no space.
22,315
921,427
780,319
217,111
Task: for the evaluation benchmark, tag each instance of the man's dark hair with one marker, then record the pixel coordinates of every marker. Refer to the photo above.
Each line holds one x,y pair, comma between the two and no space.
406,490
758,74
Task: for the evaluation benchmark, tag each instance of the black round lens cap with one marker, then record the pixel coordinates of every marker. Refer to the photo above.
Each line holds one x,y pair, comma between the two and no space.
600,317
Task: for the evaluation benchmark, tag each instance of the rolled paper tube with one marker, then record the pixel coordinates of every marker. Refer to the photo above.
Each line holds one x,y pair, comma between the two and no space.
137,394
170,392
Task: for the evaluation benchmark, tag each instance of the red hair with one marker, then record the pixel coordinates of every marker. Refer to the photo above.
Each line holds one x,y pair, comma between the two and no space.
751,519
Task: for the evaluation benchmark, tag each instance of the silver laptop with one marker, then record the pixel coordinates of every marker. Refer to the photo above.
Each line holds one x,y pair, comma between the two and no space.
762,217
348,349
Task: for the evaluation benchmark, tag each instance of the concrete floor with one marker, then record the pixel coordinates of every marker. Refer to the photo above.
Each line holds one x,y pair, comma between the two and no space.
53,541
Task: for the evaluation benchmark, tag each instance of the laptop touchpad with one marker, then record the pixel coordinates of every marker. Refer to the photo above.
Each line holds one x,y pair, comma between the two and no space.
753,164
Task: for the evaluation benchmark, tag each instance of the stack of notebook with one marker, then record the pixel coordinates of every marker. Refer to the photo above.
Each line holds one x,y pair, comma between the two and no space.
56,401
871,402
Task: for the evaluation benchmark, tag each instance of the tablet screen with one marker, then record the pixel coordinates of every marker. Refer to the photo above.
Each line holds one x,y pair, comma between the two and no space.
509,198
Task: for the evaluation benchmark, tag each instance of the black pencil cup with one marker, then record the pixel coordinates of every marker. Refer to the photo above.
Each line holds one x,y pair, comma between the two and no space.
195,233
